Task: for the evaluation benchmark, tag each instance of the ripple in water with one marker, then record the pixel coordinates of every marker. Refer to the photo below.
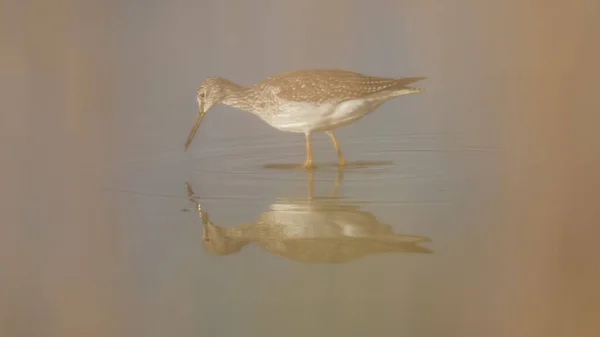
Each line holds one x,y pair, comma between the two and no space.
252,165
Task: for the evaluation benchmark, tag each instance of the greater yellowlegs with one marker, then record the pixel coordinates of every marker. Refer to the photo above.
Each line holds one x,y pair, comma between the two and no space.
310,230
305,101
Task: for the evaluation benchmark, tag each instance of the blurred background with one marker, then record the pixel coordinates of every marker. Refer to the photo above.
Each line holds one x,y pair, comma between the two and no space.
497,163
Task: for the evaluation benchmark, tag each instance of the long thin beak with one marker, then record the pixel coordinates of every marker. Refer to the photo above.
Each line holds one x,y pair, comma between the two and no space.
201,114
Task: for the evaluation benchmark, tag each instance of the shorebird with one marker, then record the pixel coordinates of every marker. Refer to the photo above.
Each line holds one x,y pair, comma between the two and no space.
310,230
304,101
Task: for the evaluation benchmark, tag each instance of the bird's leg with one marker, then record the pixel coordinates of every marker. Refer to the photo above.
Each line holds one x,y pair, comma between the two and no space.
308,162
341,160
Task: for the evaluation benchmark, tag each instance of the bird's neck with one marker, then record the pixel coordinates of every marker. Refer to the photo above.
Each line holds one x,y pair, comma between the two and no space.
236,96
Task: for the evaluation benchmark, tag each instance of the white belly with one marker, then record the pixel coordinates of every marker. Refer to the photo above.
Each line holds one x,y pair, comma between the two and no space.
302,117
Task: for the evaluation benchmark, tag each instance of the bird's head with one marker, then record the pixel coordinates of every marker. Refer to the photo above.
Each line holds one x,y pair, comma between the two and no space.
218,241
211,92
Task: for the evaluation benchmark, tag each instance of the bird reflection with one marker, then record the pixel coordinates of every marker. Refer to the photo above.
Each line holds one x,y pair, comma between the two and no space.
310,230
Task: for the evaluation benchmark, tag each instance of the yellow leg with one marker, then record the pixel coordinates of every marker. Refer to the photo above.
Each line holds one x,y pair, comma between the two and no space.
308,162
341,160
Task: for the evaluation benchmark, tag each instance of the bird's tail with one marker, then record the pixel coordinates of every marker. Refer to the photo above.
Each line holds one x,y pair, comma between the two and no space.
404,89
408,80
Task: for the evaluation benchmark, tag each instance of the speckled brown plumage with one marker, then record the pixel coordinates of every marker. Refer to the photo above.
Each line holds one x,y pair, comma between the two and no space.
305,101
320,86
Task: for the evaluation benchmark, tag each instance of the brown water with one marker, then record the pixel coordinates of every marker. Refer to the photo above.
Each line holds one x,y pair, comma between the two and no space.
468,210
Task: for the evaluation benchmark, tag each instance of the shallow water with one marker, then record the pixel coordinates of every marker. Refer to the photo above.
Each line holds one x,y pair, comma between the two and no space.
468,210
367,242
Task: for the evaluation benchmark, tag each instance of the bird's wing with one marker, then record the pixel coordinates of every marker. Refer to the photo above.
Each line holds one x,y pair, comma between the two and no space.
320,86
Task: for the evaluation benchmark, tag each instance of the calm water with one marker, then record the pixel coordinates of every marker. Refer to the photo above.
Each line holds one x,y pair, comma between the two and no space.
468,210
